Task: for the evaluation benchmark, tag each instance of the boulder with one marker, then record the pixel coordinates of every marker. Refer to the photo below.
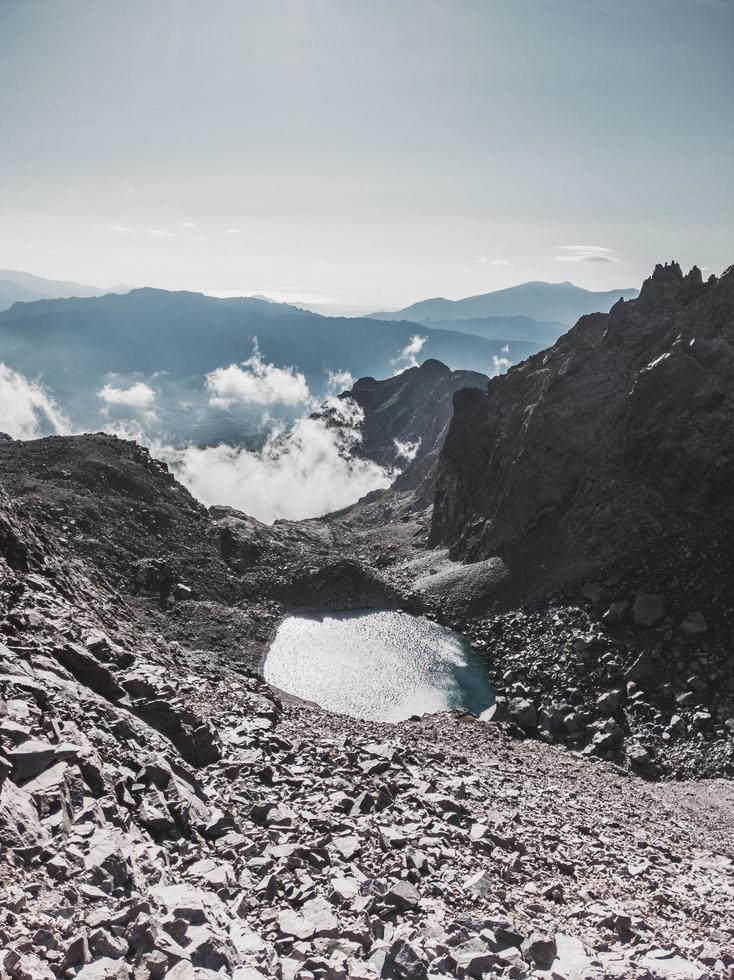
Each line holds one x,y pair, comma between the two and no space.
648,608
524,713
540,950
20,825
693,625
34,756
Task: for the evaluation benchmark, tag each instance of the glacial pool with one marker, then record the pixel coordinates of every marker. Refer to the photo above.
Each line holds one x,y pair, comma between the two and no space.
381,665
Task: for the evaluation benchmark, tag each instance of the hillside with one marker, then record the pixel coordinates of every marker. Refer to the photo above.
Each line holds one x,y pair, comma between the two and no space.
165,812
543,301
618,434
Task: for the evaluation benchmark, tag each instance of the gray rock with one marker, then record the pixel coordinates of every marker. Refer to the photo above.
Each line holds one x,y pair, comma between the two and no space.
33,756
648,609
404,962
616,612
20,825
523,712
539,949
608,702
402,895
693,625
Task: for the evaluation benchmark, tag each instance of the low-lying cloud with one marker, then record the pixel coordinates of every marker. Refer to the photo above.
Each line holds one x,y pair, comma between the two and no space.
255,382
306,472
27,411
499,365
406,450
138,396
338,381
408,356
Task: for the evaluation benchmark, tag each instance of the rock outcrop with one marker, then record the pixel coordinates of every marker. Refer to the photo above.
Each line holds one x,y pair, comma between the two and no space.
616,437
405,421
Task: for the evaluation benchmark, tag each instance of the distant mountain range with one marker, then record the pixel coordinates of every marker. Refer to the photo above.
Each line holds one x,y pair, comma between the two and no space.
516,328
171,340
559,302
23,287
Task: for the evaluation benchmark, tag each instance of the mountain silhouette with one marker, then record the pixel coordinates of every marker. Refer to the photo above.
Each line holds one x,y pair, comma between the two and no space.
546,301
24,287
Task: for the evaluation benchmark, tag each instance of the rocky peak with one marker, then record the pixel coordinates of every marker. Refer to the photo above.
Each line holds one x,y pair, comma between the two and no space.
406,418
668,285
617,435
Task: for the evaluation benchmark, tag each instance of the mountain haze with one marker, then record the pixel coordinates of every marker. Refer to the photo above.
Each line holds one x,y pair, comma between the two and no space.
171,340
547,301
24,287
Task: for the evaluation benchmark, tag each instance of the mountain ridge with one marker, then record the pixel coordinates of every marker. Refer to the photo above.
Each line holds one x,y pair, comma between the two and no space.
17,286
171,340
615,389
563,302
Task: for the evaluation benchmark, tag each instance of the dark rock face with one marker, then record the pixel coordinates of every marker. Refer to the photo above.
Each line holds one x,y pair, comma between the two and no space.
620,434
406,419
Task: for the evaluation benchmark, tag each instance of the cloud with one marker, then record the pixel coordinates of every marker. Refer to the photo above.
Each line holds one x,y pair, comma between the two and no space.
138,396
253,382
500,365
27,411
307,472
159,233
406,450
187,224
408,356
231,231
123,229
499,263
585,253
338,381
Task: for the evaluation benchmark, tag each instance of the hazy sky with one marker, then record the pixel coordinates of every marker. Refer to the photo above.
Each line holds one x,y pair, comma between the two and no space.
364,152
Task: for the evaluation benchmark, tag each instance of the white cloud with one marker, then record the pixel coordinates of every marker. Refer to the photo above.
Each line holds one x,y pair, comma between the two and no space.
253,382
408,356
407,450
500,365
159,233
138,396
231,231
123,229
499,263
305,473
187,224
585,253
27,411
338,381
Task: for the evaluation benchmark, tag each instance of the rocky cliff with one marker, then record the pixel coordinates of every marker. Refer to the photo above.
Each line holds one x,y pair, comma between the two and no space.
406,418
618,436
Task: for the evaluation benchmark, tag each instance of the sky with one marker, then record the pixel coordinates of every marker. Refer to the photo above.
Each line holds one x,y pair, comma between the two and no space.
364,154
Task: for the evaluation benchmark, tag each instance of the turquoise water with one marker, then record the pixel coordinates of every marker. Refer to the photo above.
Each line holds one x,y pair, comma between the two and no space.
380,665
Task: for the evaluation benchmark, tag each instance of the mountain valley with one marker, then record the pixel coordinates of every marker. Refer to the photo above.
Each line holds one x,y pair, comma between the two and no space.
164,811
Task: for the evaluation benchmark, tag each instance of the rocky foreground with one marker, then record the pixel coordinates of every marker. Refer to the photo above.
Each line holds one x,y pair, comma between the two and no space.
163,812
